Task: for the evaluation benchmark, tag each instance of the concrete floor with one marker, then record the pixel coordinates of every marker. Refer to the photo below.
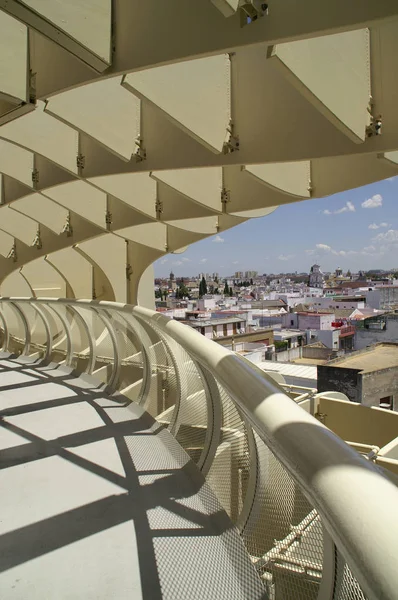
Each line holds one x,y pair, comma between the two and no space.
98,501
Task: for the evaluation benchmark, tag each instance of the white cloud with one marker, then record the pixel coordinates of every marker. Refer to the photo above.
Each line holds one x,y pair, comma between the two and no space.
203,260
218,239
391,178
389,237
369,251
186,259
328,249
163,261
374,202
285,257
348,207
178,263
235,262
375,226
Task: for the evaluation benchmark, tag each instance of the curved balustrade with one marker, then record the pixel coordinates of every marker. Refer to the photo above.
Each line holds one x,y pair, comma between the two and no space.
305,503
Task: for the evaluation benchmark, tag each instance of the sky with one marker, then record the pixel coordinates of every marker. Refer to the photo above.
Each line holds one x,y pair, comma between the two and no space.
356,230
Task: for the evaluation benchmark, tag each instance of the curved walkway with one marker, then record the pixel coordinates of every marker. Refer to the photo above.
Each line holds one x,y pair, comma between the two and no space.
99,501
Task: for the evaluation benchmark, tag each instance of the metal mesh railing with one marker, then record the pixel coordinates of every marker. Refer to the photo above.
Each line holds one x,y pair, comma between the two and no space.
346,587
205,404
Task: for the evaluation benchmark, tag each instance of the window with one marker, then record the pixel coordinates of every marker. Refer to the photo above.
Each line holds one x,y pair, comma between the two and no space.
386,402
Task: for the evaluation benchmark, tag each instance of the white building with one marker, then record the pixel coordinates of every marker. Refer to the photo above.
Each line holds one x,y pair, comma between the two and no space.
382,297
317,278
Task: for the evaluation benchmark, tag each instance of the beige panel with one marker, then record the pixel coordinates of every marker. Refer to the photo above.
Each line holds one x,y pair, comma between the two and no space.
202,185
88,22
247,192
226,7
6,242
145,296
82,198
76,270
292,178
44,279
16,162
255,213
195,94
42,133
207,225
15,285
13,57
334,72
178,239
39,207
17,225
392,156
109,253
136,189
153,235
336,174
104,110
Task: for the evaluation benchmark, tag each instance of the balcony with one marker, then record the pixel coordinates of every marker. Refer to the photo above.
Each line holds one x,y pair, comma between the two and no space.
347,330
210,451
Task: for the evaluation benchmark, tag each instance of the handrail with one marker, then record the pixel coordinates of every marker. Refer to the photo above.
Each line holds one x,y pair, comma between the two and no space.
344,488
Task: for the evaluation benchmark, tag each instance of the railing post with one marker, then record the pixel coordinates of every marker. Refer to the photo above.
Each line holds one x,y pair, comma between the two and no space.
26,327
6,332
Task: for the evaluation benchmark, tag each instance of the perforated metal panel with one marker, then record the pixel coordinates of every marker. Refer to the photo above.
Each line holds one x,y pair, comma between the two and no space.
346,587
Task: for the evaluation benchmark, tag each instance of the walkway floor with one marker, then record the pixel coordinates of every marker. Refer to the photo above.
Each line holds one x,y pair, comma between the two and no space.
98,501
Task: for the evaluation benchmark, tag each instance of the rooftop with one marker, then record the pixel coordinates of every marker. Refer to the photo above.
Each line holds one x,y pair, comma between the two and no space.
380,356
290,370
287,333
211,322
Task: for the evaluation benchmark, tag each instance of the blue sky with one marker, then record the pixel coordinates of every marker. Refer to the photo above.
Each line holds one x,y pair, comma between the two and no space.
355,230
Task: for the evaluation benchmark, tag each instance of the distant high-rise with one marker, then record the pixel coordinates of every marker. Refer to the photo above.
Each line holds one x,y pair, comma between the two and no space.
251,274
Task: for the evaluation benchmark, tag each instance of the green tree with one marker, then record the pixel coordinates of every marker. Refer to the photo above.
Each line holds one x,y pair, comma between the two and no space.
202,287
183,291
231,292
251,281
226,288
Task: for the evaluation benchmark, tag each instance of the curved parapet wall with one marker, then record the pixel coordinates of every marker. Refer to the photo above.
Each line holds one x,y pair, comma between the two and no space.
129,140
302,499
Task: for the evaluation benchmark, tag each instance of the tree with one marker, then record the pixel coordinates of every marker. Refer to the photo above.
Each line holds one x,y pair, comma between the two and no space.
202,287
226,289
231,292
251,281
182,291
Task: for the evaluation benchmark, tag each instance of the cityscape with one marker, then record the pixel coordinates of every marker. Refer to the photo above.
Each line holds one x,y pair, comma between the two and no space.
289,318
198,299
